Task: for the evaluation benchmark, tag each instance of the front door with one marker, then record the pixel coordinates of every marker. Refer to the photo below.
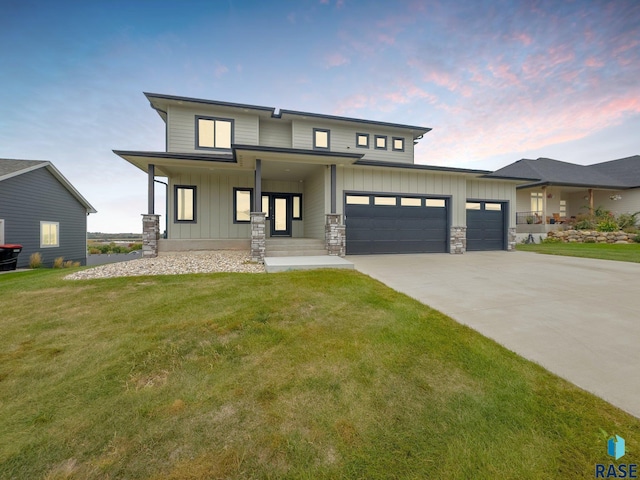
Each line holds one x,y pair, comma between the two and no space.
280,206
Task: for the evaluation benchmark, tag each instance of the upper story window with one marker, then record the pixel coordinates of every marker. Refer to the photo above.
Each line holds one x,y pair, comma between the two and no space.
185,203
321,139
214,132
49,234
380,142
362,140
397,144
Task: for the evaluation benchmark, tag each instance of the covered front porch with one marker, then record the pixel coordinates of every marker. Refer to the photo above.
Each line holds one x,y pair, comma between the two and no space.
243,200
542,209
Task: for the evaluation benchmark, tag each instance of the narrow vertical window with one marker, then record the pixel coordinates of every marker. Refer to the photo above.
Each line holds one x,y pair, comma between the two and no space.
185,203
242,201
296,207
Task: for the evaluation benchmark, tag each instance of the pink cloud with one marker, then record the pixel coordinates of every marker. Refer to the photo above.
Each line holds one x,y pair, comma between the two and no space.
220,70
523,38
388,39
353,102
335,60
593,62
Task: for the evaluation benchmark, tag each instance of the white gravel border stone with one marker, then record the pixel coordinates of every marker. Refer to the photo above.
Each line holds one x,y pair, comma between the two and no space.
174,264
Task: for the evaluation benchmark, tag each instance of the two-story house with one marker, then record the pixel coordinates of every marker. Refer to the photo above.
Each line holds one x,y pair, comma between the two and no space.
240,175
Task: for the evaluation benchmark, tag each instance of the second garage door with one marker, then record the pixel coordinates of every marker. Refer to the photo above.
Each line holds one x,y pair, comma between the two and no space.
395,224
485,225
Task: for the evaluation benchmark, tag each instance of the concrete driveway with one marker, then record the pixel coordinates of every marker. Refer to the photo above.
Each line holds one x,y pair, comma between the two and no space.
577,317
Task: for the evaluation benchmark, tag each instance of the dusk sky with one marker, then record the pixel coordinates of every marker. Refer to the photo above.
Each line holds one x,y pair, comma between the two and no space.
496,80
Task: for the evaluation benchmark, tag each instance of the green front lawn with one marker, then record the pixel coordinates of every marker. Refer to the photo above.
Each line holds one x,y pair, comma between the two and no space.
317,374
604,251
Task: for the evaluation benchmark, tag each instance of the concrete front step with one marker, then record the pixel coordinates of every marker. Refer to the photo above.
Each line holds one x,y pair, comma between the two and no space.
301,252
295,247
285,264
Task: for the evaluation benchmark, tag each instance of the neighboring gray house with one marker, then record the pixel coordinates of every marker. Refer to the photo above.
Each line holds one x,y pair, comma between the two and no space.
248,177
554,191
42,211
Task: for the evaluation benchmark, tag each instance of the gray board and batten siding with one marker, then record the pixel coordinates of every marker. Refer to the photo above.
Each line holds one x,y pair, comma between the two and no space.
37,196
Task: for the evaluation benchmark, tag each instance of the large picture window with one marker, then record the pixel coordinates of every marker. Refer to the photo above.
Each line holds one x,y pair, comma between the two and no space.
185,203
214,133
49,234
242,202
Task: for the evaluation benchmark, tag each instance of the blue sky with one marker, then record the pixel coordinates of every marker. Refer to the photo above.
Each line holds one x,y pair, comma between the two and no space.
496,80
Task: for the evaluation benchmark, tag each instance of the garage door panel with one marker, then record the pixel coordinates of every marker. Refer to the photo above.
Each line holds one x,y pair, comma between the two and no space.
377,229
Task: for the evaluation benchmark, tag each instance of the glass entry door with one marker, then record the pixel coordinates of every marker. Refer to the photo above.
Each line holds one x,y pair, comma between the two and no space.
280,206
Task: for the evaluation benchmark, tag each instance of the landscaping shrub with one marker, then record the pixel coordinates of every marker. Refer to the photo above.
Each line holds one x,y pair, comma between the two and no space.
637,238
35,260
627,220
607,224
58,262
584,222
551,240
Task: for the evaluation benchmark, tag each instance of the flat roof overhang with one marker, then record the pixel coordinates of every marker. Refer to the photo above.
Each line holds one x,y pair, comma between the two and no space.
574,186
277,162
166,161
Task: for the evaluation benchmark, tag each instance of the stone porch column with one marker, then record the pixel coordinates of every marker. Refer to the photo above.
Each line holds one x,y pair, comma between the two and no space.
258,237
458,240
511,239
335,234
150,235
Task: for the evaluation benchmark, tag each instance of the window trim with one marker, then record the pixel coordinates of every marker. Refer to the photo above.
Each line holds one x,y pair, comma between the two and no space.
367,136
235,204
42,244
175,203
328,132
375,142
214,119
393,144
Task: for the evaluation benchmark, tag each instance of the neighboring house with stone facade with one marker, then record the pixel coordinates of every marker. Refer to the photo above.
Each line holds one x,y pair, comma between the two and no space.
42,211
553,191
248,177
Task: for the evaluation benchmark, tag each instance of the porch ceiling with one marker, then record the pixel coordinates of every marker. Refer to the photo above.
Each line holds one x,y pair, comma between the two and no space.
248,153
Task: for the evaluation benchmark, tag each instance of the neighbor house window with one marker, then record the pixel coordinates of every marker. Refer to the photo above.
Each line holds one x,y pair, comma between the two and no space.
185,203
49,234
214,132
397,144
265,205
242,201
321,139
296,207
380,142
536,202
563,208
362,140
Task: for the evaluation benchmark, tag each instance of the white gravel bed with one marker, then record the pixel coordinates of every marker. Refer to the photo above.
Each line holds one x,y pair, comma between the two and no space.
174,264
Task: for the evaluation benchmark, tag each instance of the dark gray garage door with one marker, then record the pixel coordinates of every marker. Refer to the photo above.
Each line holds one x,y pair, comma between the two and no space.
485,226
395,224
